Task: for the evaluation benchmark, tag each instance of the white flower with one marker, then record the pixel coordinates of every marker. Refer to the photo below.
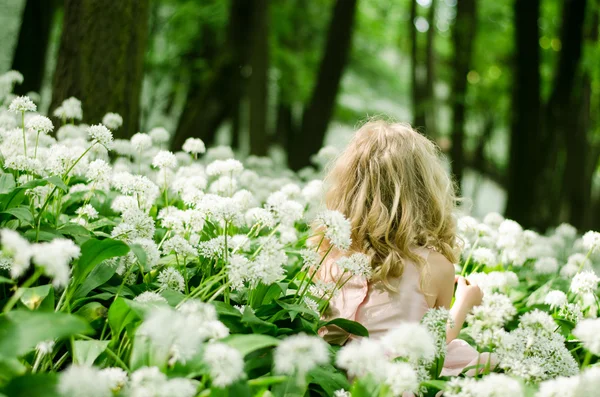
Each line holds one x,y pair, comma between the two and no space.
179,246
539,320
194,146
12,77
571,312
546,265
556,299
99,171
150,297
88,211
591,241
54,257
588,331
341,393
325,155
159,135
225,364
220,167
559,387
337,228
112,120
150,382
585,282
259,216
219,153
401,377
40,124
99,133
171,278
484,256
358,264
22,104
141,142
313,191
69,109
18,249
566,231
300,353
409,340
287,211
81,380
45,347
493,220
116,377
164,159
363,357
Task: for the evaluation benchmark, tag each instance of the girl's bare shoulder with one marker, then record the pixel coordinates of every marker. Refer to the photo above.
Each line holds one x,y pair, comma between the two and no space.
441,270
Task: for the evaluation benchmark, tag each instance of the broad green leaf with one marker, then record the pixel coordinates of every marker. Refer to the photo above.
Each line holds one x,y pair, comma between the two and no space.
258,326
97,277
45,234
12,199
434,384
225,309
33,385
92,311
56,181
120,315
22,330
328,378
173,297
78,232
87,351
38,297
93,252
10,367
294,309
4,280
7,183
349,326
140,254
21,213
100,223
250,342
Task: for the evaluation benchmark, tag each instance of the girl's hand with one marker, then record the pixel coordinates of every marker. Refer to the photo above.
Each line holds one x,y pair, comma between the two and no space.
467,294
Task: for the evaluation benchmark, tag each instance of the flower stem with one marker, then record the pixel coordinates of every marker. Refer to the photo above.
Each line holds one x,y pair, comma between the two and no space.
15,298
24,135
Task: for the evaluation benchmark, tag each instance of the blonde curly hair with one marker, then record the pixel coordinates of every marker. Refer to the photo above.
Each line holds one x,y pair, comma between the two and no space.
391,185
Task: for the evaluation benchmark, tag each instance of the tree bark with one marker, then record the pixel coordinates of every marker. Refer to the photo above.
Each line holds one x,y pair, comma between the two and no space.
209,105
32,45
101,59
319,110
526,132
462,38
417,73
259,79
431,108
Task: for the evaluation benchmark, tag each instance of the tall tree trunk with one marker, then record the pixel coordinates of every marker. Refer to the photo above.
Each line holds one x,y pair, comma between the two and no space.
462,36
561,128
581,154
258,82
431,108
526,131
32,46
417,72
208,106
101,59
320,108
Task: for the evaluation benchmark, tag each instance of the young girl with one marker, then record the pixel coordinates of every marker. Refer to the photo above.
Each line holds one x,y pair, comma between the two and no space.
392,187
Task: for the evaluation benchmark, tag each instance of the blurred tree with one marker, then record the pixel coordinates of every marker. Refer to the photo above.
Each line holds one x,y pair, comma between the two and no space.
34,36
258,81
462,38
212,101
319,110
101,59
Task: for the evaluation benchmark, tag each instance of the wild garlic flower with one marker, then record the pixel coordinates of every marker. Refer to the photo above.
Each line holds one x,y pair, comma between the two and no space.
18,250
54,258
112,120
194,146
150,382
22,104
99,172
164,159
150,297
300,353
141,141
159,135
170,278
99,133
401,378
221,167
40,124
547,265
591,241
225,364
411,341
484,256
83,380
363,357
492,385
179,246
286,211
70,109
584,283
588,331
337,228
259,216
556,299
357,264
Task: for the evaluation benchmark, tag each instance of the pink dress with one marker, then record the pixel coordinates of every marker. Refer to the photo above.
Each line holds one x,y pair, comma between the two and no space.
379,310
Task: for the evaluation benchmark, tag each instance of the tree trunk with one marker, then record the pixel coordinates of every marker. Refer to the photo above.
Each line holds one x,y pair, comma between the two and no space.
561,127
581,154
258,82
417,73
208,106
32,46
101,59
431,108
462,37
320,108
526,131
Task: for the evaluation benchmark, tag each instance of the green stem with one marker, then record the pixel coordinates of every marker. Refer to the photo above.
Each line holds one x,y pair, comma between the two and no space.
37,138
24,135
464,269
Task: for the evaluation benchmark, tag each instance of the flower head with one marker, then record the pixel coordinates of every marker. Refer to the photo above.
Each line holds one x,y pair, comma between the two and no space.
40,124
22,104
164,159
99,133
225,364
112,120
194,146
300,353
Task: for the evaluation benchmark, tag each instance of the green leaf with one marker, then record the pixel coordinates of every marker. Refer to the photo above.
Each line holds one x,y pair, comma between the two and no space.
12,199
258,326
44,235
87,351
56,181
4,280
328,378
349,326
78,232
7,183
250,342
10,367
92,311
140,254
33,385
100,223
119,316
97,277
21,213
38,297
93,252
22,330
225,309
434,384
294,309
